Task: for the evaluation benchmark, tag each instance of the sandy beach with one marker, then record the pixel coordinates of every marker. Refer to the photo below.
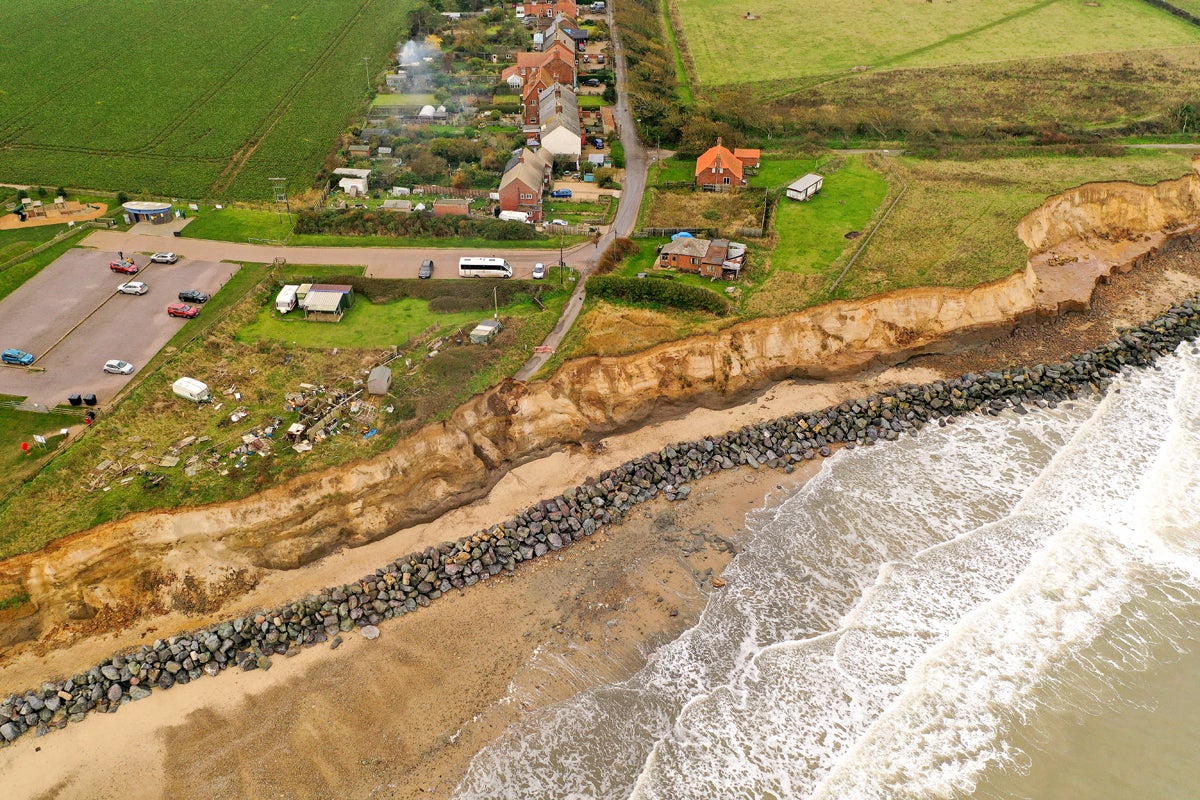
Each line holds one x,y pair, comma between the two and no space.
403,715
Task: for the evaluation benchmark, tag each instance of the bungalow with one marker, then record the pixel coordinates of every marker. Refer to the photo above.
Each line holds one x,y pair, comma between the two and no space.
712,258
525,178
719,169
806,187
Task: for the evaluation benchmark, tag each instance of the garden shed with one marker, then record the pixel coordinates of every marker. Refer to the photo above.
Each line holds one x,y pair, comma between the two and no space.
379,381
486,331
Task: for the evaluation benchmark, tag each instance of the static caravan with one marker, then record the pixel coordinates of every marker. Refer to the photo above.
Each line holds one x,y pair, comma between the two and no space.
192,389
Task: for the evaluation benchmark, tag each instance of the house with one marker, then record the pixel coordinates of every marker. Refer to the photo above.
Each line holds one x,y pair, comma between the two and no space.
525,178
751,158
561,132
557,62
452,207
562,31
719,169
712,258
806,187
550,9
539,82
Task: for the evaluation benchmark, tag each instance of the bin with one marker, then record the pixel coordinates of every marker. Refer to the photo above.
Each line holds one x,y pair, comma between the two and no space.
178,234
89,399
75,400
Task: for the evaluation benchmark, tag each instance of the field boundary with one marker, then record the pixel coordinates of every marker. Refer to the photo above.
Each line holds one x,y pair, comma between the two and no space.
867,239
46,245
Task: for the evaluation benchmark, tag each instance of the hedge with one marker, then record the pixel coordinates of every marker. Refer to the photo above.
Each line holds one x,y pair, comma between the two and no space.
648,291
366,222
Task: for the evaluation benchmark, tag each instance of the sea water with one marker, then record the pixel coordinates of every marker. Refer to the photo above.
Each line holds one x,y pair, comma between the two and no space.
1004,607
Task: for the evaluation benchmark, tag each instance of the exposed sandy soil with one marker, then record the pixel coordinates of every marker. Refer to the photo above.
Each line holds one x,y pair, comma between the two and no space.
402,716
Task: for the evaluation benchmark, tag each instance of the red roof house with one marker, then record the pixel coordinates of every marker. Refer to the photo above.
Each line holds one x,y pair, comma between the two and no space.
719,169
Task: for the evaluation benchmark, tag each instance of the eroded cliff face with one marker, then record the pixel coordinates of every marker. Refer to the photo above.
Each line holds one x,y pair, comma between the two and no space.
451,463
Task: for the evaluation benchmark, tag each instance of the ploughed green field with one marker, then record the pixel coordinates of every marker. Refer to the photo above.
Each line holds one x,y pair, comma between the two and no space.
804,38
183,99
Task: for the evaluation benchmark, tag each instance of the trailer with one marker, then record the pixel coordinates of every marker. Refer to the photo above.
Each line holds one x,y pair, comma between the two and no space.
286,301
192,389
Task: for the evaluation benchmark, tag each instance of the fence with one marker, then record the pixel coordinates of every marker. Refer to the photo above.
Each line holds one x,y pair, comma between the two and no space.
28,254
450,191
648,233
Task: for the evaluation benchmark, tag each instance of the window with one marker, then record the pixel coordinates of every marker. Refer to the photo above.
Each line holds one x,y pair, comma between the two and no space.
725,180
693,261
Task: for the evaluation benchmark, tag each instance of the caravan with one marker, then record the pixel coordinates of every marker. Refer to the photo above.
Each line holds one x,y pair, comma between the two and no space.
286,301
192,389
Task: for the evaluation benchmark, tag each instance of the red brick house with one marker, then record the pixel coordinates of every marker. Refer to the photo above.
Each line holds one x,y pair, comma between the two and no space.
719,169
712,258
552,8
557,65
751,158
525,178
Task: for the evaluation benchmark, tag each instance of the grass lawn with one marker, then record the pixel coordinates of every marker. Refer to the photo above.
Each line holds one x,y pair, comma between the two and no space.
911,33
955,225
812,234
20,426
673,170
237,225
365,324
592,101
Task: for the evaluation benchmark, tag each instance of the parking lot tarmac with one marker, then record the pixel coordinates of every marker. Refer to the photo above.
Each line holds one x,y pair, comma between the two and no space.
71,318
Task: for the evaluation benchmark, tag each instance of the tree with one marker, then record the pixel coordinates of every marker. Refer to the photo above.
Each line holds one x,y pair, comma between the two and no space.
423,19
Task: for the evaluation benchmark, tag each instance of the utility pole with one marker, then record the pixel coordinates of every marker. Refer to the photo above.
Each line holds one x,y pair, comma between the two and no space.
561,263
367,70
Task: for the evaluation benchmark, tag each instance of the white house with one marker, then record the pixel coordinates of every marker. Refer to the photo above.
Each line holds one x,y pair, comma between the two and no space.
806,187
560,127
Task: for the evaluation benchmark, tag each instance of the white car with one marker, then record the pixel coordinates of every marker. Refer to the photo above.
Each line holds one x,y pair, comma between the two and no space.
562,222
133,287
164,258
117,367
539,271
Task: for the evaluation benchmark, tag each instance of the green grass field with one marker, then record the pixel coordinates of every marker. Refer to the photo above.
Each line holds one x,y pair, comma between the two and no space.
365,324
835,36
956,223
205,100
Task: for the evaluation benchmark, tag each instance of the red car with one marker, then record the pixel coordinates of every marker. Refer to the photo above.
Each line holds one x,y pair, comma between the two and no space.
182,310
124,266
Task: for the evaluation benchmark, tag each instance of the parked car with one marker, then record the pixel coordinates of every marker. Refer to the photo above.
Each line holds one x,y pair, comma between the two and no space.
592,82
587,59
124,266
539,271
600,58
562,222
182,310
14,356
426,270
118,367
164,258
193,296
133,287
561,193
598,143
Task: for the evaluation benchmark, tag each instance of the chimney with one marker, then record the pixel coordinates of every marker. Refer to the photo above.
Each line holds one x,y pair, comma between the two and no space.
718,141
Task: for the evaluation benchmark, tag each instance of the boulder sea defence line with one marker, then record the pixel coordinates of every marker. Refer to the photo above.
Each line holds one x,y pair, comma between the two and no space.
403,586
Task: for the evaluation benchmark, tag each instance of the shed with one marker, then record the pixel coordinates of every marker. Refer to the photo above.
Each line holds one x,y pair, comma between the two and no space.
398,206
452,206
806,187
355,187
379,381
486,331
323,306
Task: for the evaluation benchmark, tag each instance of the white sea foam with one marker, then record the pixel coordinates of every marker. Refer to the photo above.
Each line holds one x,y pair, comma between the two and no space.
891,621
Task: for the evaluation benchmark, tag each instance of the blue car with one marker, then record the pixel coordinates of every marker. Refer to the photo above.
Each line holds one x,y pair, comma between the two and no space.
561,193
12,356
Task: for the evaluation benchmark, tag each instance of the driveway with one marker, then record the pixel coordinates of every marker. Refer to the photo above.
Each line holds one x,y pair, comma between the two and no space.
70,316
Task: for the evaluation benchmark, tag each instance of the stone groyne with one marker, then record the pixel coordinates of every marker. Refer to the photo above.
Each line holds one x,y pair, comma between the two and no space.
402,586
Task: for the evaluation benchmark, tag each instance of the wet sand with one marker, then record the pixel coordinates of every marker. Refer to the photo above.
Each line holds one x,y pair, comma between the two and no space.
402,716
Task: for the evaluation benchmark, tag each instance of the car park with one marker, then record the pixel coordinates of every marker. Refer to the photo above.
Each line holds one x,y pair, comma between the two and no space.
18,357
133,287
193,296
118,367
124,266
182,310
561,193
426,270
164,258
539,271
562,222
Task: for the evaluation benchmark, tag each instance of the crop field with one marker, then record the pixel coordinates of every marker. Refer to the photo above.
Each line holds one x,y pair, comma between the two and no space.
804,38
206,100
